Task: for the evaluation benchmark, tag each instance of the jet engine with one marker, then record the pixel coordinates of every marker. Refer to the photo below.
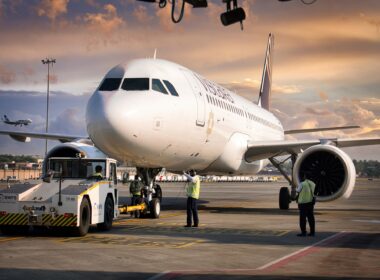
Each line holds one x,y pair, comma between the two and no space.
331,169
79,148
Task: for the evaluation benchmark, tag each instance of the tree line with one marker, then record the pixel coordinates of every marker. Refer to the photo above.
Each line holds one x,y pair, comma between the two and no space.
367,168
17,158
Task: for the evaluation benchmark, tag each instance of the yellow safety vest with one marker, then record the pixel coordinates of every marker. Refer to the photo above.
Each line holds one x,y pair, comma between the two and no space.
193,189
307,192
135,188
99,174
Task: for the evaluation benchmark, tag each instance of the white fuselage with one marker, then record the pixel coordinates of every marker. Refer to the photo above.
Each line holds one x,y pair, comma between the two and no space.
206,127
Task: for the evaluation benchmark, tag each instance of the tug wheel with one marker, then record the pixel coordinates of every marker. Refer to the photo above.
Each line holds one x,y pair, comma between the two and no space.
85,217
108,215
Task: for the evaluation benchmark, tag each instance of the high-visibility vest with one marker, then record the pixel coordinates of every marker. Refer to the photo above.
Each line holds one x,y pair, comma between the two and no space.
135,188
193,189
307,192
98,174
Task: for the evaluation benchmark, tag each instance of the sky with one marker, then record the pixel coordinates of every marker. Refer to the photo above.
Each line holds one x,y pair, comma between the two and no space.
325,68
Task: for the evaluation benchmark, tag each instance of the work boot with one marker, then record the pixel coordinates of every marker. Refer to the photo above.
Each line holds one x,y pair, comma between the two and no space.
302,234
187,226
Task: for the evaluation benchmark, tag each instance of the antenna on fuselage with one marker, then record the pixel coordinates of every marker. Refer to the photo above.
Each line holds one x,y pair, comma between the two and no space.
155,54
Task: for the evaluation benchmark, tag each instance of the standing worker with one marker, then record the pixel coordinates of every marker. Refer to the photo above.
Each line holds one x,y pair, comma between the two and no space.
135,189
306,203
192,191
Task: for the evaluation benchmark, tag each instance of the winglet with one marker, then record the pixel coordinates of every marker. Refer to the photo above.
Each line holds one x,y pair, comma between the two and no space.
266,81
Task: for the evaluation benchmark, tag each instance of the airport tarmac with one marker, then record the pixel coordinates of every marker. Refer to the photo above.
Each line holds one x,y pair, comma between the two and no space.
242,235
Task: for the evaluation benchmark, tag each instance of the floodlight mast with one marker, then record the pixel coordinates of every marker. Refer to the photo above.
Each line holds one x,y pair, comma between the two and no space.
47,61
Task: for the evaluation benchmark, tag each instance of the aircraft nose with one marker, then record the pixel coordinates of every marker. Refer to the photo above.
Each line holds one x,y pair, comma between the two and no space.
110,122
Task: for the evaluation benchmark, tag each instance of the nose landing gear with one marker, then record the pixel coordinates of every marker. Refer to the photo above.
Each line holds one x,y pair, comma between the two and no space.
152,191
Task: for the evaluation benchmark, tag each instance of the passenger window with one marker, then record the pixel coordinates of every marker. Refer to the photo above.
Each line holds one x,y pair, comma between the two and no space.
131,84
110,84
171,88
158,86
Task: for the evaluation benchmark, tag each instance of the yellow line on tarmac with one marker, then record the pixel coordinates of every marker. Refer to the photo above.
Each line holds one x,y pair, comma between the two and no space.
189,244
171,215
283,233
10,239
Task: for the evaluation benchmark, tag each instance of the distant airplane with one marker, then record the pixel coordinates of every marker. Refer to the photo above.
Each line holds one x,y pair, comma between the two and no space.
6,120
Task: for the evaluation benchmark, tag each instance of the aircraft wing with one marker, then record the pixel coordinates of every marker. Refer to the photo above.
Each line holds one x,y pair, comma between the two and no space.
268,149
297,131
25,136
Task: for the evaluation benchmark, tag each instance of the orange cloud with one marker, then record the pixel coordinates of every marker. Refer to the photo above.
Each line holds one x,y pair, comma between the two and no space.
103,26
53,78
6,76
104,22
52,8
324,96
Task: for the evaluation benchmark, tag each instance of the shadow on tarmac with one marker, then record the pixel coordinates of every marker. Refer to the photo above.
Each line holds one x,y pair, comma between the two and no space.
34,274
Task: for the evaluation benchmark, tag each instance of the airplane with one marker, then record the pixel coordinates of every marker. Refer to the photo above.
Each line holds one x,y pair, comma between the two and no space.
6,120
154,114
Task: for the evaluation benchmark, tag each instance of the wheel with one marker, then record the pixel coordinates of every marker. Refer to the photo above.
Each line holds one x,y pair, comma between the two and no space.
284,198
85,216
108,215
158,193
155,208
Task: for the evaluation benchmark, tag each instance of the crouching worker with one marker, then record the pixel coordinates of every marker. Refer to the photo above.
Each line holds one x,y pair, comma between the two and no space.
135,189
192,192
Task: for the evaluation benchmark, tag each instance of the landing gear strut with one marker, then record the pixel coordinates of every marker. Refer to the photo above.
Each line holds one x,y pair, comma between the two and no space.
152,191
286,196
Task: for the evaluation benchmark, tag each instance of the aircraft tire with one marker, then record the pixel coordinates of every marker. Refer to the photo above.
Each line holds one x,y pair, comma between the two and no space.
158,193
108,215
85,217
155,208
284,198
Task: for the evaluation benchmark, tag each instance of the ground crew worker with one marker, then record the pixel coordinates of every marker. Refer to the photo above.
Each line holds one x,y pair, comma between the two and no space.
135,189
192,191
98,172
306,203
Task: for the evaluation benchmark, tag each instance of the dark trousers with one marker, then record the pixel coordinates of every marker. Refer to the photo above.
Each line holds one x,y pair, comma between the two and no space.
135,199
307,211
192,211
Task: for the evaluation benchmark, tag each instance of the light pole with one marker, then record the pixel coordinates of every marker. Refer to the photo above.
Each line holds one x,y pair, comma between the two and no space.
47,61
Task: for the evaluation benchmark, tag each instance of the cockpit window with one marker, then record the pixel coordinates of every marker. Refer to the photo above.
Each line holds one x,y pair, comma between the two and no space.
171,88
110,84
158,86
130,84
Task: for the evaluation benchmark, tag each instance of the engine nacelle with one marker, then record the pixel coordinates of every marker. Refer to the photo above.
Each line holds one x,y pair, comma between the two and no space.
331,169
73,149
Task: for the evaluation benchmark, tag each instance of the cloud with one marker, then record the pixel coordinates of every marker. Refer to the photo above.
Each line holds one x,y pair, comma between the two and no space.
141,14
248,87
52,8
372,21
7,76
53,78
69,121
323,95
104,27
317,112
